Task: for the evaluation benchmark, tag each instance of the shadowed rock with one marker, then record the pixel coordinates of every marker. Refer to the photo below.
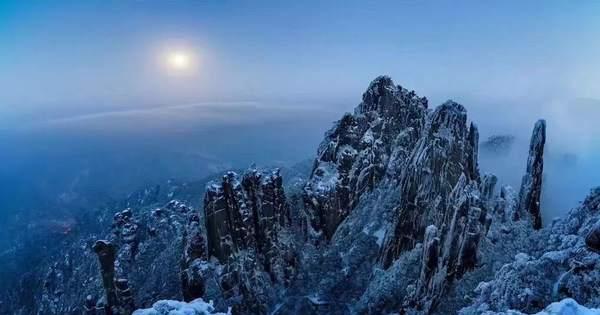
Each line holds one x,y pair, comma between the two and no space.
592,240
244,218
126,303
244,214
531,185
194,253
106,252
89,307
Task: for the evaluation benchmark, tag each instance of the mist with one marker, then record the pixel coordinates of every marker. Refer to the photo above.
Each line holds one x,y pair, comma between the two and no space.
571,152
50,168
54,166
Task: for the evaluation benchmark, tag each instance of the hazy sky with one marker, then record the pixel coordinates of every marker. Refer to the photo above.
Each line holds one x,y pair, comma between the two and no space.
64,58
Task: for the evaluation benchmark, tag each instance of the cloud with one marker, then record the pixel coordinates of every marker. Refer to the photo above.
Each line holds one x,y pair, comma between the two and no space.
152,111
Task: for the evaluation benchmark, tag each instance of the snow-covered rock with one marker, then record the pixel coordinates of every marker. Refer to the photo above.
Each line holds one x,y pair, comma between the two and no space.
565,267
430,178
354,156
244,212
563,307
531,185
246,225
170,307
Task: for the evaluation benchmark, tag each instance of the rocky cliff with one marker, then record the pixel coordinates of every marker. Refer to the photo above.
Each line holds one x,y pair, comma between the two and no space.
355,154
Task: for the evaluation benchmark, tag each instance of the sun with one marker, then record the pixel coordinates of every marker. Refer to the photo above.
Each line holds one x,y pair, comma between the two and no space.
179,60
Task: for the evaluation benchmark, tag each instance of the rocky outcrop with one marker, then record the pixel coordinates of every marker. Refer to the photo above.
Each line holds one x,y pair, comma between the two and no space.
488,190
565,267
506,204
592,240
354,156
531,185
453,249
194,253
244,213
447,152
106,252
246,224
141,243
125,235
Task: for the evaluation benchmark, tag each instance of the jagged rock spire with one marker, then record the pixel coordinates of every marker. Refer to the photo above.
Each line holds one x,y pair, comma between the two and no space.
379,96
244,218
244,212
194,252
353,158
447,152
531,185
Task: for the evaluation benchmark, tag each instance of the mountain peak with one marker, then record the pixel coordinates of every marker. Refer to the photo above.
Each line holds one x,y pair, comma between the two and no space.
384,96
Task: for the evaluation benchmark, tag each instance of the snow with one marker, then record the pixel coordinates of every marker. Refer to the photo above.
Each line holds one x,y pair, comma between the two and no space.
170,307
521,258
368,137
568,307
379,234
328,179
316,300
564,307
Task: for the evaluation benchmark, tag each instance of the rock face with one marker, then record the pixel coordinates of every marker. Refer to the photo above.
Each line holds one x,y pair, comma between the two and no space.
194,252
454,249
246,213
531,185
447,152
246,223
353,158
106,256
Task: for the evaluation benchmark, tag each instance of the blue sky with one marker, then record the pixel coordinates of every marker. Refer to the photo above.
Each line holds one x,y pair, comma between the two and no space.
65,57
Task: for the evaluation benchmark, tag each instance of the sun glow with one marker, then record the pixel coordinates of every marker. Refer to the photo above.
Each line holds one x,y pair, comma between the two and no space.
179,60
